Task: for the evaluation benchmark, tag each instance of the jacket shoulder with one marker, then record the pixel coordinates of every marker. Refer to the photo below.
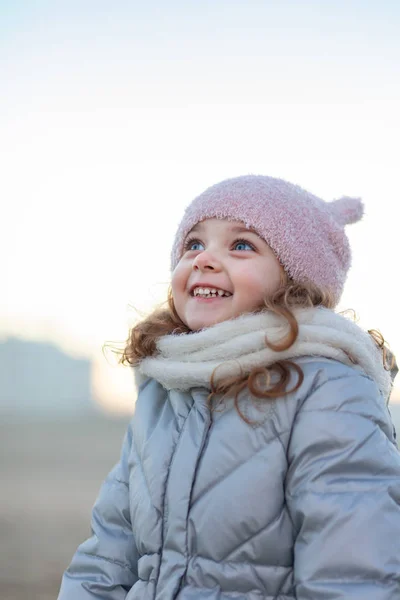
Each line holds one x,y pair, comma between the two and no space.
320,370
332,386
151,396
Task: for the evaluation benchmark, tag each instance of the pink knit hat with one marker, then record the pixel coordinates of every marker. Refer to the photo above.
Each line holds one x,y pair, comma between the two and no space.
306,233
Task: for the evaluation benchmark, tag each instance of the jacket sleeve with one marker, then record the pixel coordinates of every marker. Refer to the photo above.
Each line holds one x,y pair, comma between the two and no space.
343,494
105,566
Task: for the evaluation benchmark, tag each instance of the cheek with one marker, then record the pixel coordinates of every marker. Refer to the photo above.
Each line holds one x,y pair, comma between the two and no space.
179,282
261,280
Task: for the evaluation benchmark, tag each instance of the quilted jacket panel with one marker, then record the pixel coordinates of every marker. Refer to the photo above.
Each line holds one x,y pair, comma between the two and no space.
303,504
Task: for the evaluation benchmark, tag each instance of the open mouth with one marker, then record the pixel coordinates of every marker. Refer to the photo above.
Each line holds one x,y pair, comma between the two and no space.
199,292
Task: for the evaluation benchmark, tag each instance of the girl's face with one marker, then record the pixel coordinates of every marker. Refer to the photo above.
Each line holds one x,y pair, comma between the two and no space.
225,270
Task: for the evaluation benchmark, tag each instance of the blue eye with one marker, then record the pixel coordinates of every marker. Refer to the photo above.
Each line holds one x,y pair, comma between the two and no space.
242,245
194,245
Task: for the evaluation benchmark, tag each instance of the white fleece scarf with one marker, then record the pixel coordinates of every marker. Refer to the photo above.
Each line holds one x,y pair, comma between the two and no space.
237,346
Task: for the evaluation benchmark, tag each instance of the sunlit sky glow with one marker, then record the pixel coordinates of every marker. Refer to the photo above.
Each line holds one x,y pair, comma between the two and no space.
113,116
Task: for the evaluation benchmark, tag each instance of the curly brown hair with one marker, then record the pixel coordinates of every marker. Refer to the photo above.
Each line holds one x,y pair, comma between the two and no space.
142,342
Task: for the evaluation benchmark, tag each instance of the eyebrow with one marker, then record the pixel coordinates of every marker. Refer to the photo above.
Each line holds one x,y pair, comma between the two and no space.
240,229
234,229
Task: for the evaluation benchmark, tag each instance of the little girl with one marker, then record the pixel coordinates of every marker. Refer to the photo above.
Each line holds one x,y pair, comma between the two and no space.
261,461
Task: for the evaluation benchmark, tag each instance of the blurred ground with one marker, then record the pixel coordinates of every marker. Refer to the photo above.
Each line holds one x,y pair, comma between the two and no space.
50,473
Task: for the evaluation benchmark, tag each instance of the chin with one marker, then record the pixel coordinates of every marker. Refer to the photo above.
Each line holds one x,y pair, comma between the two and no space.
196,324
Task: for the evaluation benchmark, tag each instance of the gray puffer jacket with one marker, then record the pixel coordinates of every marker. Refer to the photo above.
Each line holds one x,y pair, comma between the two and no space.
303,505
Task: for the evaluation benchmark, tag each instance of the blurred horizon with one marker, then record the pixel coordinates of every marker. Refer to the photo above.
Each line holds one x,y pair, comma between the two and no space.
55,382
114,117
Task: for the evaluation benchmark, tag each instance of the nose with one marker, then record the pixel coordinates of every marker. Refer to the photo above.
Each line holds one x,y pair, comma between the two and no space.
205,261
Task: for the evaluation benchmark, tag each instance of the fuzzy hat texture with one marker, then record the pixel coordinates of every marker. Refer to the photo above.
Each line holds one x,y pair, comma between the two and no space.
306,233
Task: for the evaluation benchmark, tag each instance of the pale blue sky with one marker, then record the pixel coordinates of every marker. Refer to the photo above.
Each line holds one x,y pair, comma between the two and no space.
115,114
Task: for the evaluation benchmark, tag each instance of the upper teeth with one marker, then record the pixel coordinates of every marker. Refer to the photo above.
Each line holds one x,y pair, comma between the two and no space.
198,291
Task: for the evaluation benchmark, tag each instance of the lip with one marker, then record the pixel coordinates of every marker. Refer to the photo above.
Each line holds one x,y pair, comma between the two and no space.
211,299
206,285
